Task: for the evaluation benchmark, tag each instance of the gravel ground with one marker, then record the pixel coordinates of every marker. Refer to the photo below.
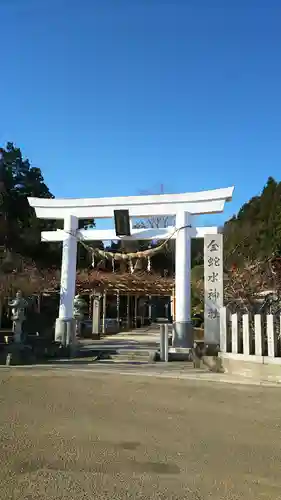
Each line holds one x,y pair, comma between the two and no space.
78,435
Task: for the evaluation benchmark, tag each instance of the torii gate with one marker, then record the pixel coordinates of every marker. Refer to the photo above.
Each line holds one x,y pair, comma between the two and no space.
182,206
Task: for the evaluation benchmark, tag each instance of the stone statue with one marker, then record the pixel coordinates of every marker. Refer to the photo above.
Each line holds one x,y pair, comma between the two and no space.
18,305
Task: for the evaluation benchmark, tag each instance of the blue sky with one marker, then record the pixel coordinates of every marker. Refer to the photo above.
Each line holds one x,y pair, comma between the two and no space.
114,97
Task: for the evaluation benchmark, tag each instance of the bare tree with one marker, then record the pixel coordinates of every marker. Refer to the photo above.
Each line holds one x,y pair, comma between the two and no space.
156,221
27,278
248,289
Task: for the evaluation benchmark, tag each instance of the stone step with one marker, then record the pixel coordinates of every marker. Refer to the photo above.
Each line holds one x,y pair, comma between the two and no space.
126,362
141,355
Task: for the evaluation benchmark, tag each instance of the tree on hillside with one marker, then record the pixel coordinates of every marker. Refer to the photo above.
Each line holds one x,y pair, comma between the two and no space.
255,233
20,230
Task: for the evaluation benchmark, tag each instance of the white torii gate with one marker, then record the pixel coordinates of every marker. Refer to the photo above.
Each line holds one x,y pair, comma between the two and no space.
183,206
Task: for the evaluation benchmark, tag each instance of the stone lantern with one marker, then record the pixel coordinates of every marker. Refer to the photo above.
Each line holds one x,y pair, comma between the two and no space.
18,305
79,307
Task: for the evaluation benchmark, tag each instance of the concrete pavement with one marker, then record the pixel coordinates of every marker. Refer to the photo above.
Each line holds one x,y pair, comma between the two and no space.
86,435
180,371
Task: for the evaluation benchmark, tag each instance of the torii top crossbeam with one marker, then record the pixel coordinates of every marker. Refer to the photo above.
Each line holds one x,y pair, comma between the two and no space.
202,202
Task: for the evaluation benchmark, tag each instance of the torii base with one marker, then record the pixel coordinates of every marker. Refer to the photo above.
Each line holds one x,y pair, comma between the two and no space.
183,335
65,332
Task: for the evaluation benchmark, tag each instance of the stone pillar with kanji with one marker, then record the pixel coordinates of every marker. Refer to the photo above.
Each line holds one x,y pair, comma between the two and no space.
213,287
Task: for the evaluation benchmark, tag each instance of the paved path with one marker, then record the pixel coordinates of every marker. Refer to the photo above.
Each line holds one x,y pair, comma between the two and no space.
142,336
149,335
69,434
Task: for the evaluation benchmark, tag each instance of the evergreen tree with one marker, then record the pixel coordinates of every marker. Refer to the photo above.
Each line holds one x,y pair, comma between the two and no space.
21,229
255,233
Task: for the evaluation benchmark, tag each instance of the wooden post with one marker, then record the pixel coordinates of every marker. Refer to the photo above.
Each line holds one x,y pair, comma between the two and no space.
39,303
246,334
234,333
104,313
96,313
271,337
90,310
128,311
142,311
258,336
136,310
93,311
172,306
118,308
149,308
164,343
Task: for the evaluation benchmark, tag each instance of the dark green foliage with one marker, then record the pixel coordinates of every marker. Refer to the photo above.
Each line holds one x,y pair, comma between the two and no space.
255,233
20,229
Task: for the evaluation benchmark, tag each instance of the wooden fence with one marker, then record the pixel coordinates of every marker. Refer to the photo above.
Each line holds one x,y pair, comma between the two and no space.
250,335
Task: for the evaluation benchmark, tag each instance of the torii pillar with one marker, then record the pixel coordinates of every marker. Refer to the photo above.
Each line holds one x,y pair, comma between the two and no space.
65,326
183,334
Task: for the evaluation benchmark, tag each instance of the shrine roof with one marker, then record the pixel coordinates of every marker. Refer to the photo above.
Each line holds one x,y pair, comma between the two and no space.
136,283
32,280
